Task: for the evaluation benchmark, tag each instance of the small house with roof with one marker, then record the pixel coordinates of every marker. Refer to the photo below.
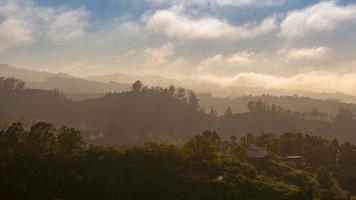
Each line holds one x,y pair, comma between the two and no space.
254,151
296,161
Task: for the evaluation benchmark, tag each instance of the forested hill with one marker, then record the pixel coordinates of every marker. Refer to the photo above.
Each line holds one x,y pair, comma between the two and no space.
48,163
293,103
157,112
142,111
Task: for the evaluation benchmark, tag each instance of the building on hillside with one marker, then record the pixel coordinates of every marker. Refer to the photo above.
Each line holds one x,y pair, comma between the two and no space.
296,161
256,152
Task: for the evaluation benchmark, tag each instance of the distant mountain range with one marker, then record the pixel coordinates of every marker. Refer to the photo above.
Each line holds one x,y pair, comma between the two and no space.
155,112
293,103
217,90
73,87
96,86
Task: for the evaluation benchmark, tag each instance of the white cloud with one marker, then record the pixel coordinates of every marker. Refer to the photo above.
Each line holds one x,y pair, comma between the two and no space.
323,16
237,3
24,22
240,58
175,23
68,25
248,2
177,2
13,33
221,62
317,53
154,57
147,59
16,27
316,81
130,29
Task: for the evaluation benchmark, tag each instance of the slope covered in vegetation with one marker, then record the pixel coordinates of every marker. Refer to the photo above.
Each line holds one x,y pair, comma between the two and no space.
49,163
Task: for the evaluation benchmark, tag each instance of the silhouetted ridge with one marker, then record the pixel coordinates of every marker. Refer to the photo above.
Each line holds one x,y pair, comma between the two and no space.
155,112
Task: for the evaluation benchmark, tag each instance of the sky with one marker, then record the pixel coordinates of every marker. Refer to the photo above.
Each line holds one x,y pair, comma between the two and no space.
275,44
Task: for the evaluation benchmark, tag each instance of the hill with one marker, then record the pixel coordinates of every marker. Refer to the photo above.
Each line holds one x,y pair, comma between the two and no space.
76,87
156,112
136,113
27,74
72,87
293,103
217,90
97,86
49,163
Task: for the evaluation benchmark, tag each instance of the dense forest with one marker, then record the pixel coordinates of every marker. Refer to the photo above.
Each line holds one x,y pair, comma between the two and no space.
48,163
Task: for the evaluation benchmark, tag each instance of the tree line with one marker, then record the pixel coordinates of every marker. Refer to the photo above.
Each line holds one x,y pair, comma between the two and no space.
259,106
48,163
182,94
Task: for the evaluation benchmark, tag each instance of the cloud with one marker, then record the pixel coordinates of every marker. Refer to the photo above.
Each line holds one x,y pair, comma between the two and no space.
68,25
323,16
177,2
226,64
243,58
236,3
353,63
16,27
248,2
316,81
154,57
317,53
174,23
142,60
24,22
13,33
220,62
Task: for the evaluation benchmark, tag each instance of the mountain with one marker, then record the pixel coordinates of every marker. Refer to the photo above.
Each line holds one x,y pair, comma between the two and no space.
156,112
136,114
216,89
293,103
72,87
152,80
27,74
167,114
75,86
97,86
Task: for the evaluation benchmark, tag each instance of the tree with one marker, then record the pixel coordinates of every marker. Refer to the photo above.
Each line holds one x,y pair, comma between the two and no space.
260,106
213,112
251,106
274,108
315,114
347,157
12,135
344,115
41,139
324,177
69,141
11,83
193,100
248,139
205,146
171,90
137,86
181,94
228,111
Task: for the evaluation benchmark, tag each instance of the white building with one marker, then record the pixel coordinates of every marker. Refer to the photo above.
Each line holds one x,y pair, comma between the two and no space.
256,152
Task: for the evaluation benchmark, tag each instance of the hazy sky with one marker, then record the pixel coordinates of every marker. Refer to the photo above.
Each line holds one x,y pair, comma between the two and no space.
290,44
